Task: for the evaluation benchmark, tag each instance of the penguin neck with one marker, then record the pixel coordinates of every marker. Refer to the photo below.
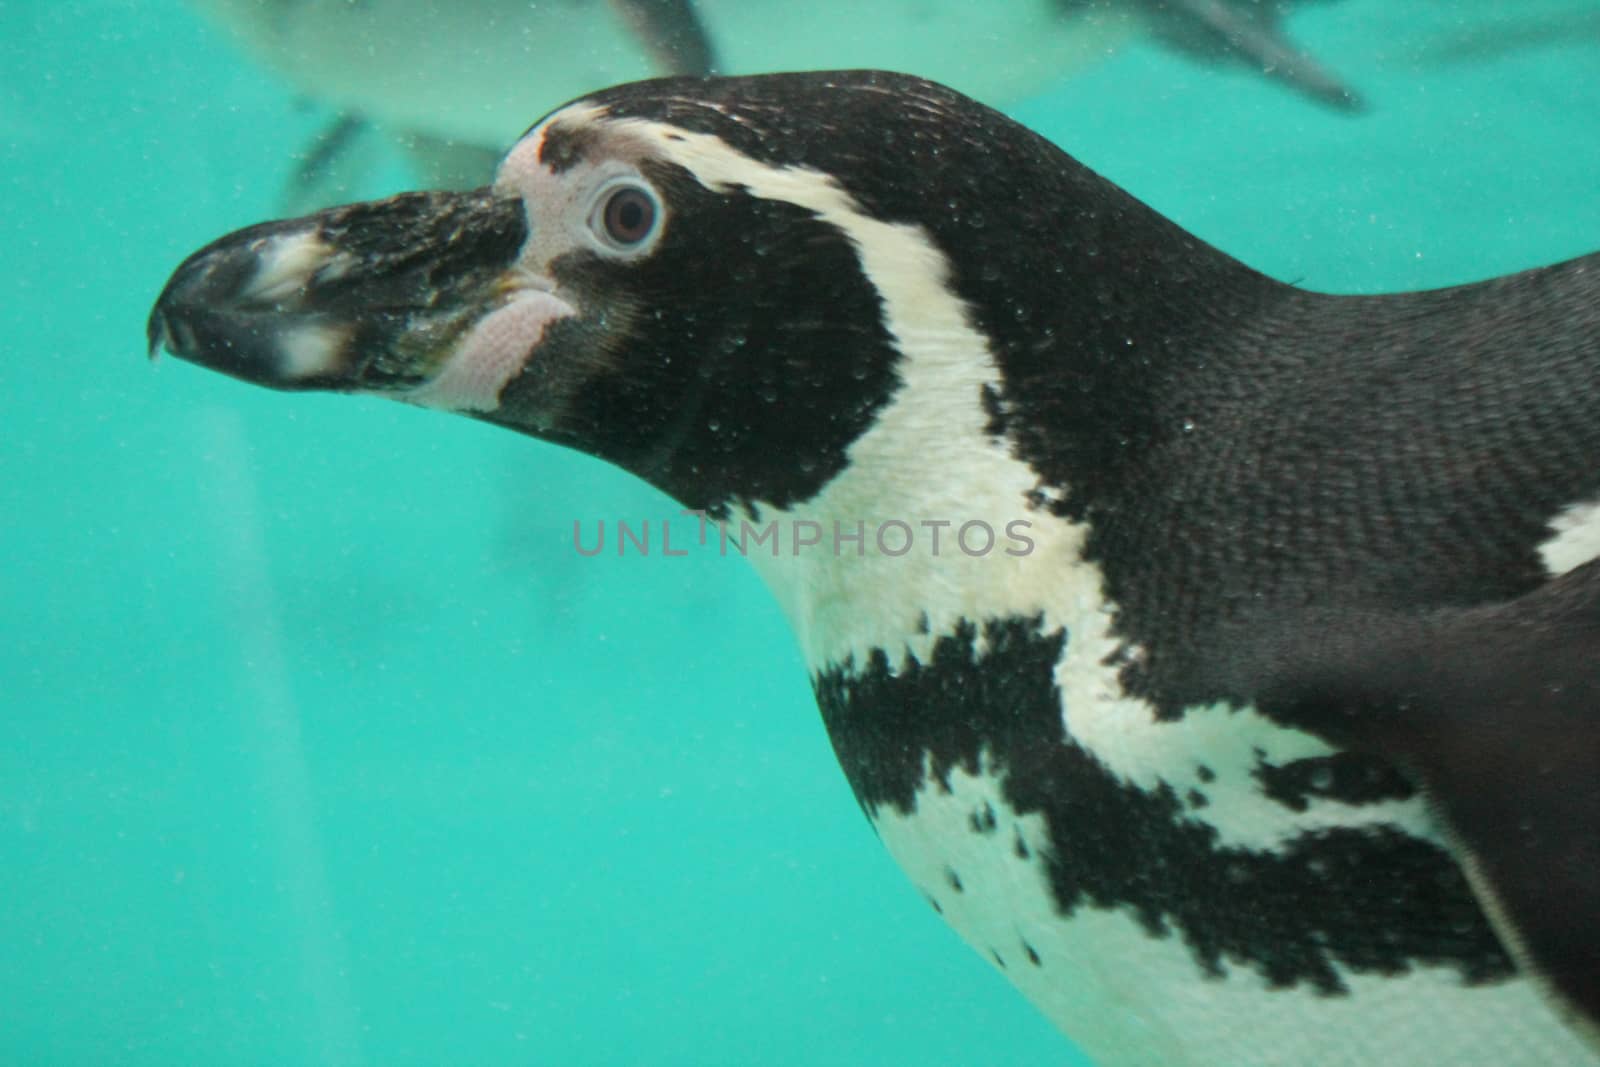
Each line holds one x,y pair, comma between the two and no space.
1028,384
1029,379
934,522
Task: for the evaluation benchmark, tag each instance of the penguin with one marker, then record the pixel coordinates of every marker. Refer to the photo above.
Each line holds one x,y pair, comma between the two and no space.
1220,659
450,85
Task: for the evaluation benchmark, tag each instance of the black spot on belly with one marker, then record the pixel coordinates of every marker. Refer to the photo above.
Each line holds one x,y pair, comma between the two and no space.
1348,777
954,879
983,821
931,900
1021,847
1197,799
1370,899
1204,773
997,958
1033,956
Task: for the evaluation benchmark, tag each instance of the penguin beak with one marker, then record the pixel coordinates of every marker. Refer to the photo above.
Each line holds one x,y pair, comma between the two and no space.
375,297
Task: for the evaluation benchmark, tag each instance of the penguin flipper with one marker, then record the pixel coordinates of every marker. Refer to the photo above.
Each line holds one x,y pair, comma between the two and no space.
445,163
339,164
1495,712
1250,34
672,32
333,167
1513,30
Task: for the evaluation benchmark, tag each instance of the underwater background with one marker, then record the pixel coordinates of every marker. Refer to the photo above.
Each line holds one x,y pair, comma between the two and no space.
320,744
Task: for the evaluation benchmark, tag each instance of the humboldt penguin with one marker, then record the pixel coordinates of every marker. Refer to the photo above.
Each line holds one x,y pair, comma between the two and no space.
451,84
1220,659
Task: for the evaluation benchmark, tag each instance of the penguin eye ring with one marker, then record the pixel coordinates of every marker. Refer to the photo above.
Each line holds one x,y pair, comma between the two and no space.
625,217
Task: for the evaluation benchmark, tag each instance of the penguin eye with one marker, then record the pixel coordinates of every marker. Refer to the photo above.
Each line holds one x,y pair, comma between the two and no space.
627,217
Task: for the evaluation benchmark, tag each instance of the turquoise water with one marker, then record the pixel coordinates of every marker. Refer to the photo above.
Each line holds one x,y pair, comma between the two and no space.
318,744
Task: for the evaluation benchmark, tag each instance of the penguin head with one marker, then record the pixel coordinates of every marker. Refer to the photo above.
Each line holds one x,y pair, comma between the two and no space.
710,282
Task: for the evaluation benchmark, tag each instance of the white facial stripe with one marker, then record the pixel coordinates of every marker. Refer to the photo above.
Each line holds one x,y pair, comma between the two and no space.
1576,538
495,352
934,418
287,265
898,258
